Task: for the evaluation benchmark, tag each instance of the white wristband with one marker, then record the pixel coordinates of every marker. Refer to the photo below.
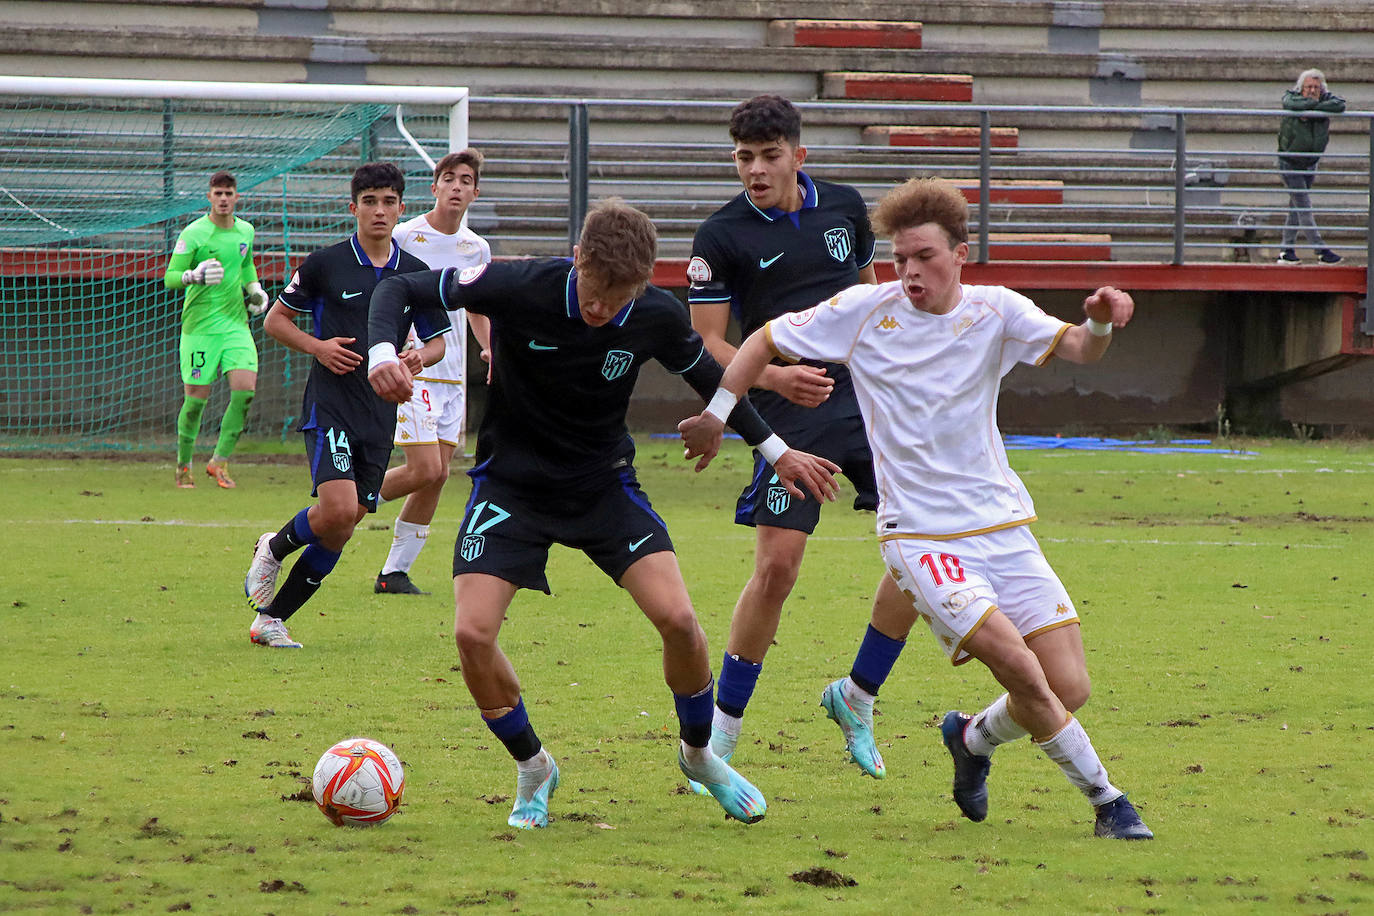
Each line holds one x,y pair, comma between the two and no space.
1099,328
772,448
381,354
722,403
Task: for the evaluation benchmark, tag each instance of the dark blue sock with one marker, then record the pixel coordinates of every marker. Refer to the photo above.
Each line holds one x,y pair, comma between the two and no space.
694,716
515,732
294,535
737,680
303,581
877,655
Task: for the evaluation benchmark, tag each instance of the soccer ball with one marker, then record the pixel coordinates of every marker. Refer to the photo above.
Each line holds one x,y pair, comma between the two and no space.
358,782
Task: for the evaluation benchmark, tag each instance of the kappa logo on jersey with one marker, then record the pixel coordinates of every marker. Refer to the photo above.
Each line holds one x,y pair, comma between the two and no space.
1061,610
888,323
797,319
837,243
617,364
469,274
420,238
698,271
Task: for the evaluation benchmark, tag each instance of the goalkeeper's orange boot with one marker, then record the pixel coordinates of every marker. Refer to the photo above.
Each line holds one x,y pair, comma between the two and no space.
184,481
220,471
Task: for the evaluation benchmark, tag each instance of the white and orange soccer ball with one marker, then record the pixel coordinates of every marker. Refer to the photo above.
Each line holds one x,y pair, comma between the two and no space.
358,783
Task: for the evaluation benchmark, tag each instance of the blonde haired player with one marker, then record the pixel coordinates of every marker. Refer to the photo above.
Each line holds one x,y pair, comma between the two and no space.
432,424
927,354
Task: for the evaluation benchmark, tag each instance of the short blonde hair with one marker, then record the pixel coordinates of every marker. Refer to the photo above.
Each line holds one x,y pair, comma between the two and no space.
920,201
618,244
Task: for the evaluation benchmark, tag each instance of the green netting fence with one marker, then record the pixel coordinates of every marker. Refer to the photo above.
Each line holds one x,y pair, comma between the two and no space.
93,193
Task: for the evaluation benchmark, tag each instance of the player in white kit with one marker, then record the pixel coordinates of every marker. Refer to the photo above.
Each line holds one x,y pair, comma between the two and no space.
431,425
927,355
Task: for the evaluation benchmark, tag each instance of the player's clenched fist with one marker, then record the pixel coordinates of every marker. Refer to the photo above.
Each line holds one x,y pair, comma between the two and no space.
392,381
206,273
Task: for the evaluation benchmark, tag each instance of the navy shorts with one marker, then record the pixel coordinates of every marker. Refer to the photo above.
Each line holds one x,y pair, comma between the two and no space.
335,455
507,529
766,501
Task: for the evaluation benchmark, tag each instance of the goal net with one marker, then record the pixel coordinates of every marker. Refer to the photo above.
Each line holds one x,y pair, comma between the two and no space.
97,179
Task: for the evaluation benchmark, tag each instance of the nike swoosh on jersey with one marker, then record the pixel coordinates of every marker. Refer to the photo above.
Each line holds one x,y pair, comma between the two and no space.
538,346
352,295
635,545
763,265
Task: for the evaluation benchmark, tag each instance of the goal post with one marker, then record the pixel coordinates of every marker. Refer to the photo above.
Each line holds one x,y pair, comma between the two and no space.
97,178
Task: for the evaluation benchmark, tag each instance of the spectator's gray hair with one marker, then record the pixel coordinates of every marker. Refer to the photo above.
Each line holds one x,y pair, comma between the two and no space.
1305,75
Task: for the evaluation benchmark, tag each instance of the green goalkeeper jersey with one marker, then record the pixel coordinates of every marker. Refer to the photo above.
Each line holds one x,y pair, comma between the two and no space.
218,308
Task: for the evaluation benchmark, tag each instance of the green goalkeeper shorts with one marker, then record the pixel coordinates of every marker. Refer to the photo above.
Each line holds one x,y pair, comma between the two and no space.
205,356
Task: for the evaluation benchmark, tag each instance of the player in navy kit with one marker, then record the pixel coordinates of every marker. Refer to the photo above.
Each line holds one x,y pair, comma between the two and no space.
785,243
347,427
555,465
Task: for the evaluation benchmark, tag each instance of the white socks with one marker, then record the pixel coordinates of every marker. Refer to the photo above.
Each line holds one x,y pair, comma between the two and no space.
407,541
991,727
859,700
1070,748
725,730
530,774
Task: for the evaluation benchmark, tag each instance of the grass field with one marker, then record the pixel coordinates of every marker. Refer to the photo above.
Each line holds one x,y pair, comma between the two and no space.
157,762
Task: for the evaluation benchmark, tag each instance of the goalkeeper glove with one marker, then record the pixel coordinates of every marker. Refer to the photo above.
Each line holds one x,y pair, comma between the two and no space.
206,273
257,299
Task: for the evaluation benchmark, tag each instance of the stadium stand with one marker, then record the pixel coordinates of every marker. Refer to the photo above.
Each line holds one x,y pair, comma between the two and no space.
988,52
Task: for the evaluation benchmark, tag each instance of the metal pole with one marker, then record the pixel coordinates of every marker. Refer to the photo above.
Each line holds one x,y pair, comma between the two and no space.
169,172
578,155
1368,302
1180,170
984,182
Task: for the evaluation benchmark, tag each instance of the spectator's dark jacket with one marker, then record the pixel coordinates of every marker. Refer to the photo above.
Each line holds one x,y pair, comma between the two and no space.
1299,134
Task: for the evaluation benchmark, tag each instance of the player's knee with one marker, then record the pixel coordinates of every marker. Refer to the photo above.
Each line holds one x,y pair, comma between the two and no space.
471,638
775,575
679,625
1074,694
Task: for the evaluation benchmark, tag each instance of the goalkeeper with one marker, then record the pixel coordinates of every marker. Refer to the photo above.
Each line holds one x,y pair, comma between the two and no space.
213,261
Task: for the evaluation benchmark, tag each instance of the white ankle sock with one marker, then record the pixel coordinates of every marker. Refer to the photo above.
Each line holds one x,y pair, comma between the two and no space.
530,773
860,700
992,727
1071,749
408,539
696,757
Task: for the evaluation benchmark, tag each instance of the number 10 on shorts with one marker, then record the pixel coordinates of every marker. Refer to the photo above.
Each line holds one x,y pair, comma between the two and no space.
935,564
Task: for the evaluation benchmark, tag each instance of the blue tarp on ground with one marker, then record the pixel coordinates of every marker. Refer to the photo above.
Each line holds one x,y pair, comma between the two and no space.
1092,444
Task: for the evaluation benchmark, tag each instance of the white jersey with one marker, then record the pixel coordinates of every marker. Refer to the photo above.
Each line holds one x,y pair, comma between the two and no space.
927,386
464,248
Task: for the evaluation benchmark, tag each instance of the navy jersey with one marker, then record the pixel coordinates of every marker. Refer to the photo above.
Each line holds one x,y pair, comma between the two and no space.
768,263
560,388
334,286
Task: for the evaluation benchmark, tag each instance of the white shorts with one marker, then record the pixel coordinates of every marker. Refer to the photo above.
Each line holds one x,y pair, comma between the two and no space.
435,413
954,585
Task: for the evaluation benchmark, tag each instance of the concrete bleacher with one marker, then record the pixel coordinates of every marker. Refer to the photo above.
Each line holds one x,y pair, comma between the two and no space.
1137,53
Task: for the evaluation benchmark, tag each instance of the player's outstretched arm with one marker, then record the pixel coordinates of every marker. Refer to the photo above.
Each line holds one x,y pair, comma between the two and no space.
1105,309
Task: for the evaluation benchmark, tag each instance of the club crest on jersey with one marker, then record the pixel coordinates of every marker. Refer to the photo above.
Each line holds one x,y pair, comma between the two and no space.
243,248
342,460
617,364
837,243
471,547
778,500
797,319
469,274
698,271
